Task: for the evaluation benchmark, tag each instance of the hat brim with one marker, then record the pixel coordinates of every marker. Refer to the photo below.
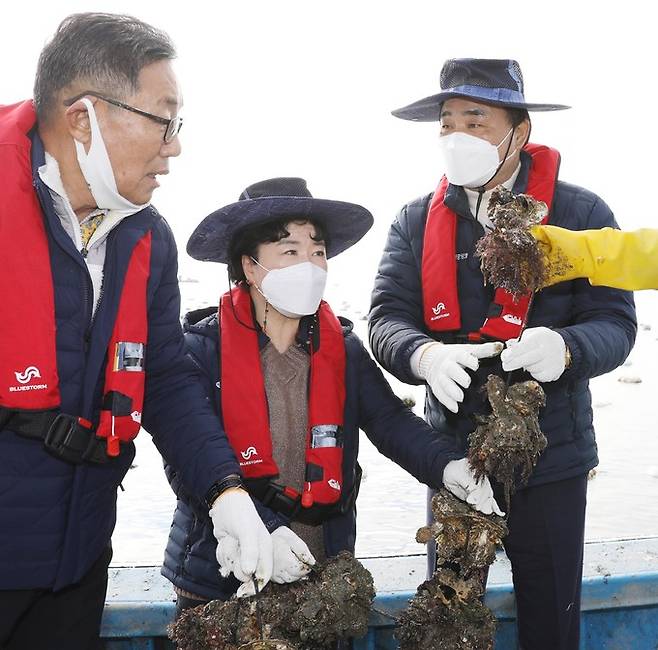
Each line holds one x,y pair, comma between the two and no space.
428,109
345,223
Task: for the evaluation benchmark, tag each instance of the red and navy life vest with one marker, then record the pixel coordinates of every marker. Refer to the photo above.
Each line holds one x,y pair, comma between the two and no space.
441,309
28,354
244,402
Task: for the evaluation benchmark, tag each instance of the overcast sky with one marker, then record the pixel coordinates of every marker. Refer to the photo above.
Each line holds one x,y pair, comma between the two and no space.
305,88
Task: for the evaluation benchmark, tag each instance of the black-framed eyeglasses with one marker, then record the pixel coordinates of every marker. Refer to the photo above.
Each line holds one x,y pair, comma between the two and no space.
173,125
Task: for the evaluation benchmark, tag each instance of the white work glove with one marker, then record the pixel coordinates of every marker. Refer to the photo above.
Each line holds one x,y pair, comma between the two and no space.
244,546
292,559
442,365
541,351
459,478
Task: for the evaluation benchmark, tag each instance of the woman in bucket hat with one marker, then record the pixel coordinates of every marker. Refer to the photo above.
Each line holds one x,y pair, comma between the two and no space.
292,385
431,314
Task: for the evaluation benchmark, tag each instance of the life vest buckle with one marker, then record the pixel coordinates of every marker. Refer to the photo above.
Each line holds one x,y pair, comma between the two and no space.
282,499
68,439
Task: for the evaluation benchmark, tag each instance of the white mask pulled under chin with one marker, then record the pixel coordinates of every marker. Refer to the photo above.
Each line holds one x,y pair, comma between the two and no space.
470,161
294,291
97,169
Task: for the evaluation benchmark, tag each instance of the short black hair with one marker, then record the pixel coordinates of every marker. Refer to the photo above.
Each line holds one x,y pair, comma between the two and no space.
101,50
247,241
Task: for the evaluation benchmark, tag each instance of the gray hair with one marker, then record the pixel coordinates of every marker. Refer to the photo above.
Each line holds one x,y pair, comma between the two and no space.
106,51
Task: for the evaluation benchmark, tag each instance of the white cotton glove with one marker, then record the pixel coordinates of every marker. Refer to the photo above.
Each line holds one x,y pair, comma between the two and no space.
459,478
442,365
292,559
541,351
244,546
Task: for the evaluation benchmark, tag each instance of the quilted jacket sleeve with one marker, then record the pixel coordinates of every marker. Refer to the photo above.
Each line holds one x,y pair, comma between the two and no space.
203,353
396,324
176,411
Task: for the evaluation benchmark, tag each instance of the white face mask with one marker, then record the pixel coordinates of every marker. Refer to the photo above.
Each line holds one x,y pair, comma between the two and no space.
296,290
97,170
470,161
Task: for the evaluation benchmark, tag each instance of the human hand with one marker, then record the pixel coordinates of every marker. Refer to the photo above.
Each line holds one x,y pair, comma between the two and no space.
442,366
540,351
292,558
244,546
459,478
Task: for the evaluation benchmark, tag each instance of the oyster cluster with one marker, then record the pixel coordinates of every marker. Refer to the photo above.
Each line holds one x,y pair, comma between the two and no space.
435,622
506,444
510,258
463,536
447,612
333,603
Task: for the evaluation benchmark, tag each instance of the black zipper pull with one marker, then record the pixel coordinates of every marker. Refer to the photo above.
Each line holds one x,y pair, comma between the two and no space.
84,252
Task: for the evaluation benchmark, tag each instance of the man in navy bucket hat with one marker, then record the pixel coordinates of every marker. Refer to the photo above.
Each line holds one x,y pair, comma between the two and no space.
433,321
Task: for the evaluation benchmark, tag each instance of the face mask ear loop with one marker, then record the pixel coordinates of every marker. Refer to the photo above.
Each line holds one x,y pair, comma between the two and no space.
502,162
267,302
259,264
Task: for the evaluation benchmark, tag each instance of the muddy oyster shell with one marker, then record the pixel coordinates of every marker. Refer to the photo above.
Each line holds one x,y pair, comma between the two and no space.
311,614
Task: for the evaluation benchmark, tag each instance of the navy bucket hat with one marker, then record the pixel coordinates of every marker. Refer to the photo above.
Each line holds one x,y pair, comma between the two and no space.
271,200
492,81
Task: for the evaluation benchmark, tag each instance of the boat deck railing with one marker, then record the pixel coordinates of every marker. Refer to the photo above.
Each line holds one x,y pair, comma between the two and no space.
619,600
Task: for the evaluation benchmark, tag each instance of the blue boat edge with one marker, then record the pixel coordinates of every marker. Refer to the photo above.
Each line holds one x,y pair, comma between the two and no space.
619,600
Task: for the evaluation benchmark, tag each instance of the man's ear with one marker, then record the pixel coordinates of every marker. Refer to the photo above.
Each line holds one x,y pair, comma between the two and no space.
77,121
523,133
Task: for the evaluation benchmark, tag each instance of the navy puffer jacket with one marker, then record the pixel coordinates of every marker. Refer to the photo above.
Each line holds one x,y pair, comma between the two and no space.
370,405
56,518
597,323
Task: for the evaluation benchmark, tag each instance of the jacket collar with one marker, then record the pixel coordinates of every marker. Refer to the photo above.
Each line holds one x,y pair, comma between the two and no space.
38,153
204,322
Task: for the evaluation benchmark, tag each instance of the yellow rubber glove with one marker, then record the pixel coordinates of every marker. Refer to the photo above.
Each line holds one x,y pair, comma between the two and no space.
607,257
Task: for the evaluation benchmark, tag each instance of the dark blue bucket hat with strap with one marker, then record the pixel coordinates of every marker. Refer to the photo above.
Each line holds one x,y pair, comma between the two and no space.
493,81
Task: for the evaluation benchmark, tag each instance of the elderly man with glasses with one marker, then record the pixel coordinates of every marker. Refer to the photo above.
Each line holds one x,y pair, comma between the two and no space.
91,346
